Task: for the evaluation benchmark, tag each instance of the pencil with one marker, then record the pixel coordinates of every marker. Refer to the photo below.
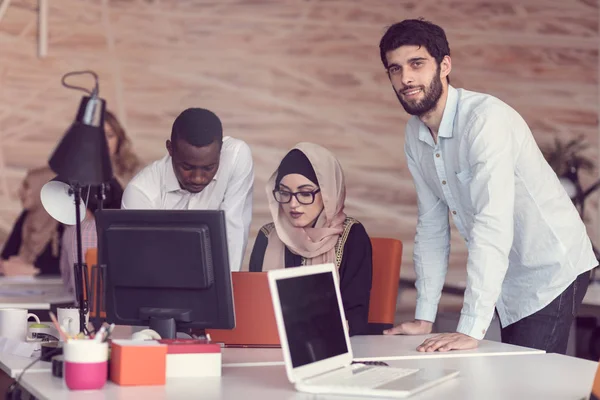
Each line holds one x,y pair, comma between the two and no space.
62,334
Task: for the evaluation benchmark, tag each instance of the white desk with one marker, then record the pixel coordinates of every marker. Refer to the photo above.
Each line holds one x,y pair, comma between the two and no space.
364,348
264,383
37,280
539,376
380,348
35,303
32,293
14,365
383,348
245,357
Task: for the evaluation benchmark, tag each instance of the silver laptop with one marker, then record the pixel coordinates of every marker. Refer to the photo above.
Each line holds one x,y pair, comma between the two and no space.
316,346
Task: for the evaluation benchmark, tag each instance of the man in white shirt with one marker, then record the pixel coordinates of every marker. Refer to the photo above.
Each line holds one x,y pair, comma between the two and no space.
473,157
203,171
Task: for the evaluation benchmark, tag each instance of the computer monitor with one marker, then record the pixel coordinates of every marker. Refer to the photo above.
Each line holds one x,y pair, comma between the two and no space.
168,269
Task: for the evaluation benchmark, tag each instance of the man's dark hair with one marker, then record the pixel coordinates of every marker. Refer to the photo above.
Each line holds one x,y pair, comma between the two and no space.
415,32
198,127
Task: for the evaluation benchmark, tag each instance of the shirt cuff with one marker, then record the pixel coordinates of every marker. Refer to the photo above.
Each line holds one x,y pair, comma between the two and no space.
425,311
476,327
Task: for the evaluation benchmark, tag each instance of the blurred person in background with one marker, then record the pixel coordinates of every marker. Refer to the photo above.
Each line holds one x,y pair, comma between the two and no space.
33,246
125,162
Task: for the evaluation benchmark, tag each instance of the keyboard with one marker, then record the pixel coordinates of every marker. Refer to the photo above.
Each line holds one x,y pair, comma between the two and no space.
358,375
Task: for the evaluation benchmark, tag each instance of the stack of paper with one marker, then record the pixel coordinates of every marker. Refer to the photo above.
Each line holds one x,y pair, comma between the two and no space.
18,348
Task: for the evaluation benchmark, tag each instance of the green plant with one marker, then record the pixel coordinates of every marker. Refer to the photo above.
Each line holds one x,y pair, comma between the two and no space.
563,155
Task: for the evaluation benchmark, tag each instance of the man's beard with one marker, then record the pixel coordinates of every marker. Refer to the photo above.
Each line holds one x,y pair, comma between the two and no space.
431,97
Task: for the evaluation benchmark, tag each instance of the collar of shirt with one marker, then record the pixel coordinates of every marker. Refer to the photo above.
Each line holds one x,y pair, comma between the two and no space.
447,119
171,181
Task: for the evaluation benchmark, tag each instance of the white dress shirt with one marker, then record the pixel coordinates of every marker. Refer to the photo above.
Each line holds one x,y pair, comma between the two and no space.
156,187
525,239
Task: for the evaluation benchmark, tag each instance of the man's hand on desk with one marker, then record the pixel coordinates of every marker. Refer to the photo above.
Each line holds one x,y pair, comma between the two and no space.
448,341
14,266
416,327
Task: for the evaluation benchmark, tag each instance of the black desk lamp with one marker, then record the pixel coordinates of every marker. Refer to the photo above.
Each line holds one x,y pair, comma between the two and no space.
82,159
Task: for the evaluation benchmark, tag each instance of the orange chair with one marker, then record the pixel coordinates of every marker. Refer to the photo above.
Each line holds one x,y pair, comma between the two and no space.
91,260
595,393
387,257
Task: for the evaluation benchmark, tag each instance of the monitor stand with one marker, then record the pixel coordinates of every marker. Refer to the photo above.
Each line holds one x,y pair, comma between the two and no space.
164,320
165,327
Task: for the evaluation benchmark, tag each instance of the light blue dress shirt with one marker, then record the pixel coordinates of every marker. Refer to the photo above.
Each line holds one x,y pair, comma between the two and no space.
526,241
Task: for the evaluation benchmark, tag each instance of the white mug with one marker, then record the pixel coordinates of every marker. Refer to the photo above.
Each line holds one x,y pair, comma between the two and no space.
68,319
13,323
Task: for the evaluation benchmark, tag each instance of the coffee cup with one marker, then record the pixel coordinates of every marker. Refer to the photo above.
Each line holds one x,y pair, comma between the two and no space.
42,332
68,319
13,323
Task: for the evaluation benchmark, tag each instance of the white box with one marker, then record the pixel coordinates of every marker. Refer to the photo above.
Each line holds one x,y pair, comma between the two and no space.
189,358
193,365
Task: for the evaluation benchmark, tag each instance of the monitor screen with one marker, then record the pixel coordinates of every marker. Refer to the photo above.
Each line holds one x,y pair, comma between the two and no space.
312,319
166,264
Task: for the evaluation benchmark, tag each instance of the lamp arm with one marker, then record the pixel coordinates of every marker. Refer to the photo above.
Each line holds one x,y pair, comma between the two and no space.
589,190
81,281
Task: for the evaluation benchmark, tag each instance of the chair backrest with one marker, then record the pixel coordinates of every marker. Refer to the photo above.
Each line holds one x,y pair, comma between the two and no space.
387,257
91,260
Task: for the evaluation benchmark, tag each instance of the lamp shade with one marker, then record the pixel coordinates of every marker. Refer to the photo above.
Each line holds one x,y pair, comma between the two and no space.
58,200
82,155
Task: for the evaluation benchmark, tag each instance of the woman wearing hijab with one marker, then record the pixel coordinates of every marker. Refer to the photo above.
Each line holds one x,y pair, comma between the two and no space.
33,246
306,198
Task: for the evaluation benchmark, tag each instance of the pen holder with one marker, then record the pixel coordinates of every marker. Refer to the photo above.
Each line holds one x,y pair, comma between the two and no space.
85,364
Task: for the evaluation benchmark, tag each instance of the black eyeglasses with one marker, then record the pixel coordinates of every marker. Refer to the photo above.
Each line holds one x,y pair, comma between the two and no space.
305,198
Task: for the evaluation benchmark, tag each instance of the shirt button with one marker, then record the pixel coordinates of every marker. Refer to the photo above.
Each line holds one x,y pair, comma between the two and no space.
437,155
443,182
454,212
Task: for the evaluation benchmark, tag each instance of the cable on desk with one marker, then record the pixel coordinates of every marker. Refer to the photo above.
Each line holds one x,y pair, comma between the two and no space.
13,392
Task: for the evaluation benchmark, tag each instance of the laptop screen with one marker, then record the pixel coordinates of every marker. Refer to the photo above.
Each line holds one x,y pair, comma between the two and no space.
312,319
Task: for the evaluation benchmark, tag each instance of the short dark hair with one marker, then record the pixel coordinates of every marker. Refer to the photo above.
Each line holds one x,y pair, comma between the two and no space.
415,32
198,127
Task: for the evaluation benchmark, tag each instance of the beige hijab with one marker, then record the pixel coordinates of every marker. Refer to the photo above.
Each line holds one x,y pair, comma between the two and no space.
39,228
316,244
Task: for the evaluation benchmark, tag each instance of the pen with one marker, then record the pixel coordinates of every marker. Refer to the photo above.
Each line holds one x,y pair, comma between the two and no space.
99,337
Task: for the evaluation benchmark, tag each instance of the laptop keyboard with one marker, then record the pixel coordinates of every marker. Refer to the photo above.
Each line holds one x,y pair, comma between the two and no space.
362,376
